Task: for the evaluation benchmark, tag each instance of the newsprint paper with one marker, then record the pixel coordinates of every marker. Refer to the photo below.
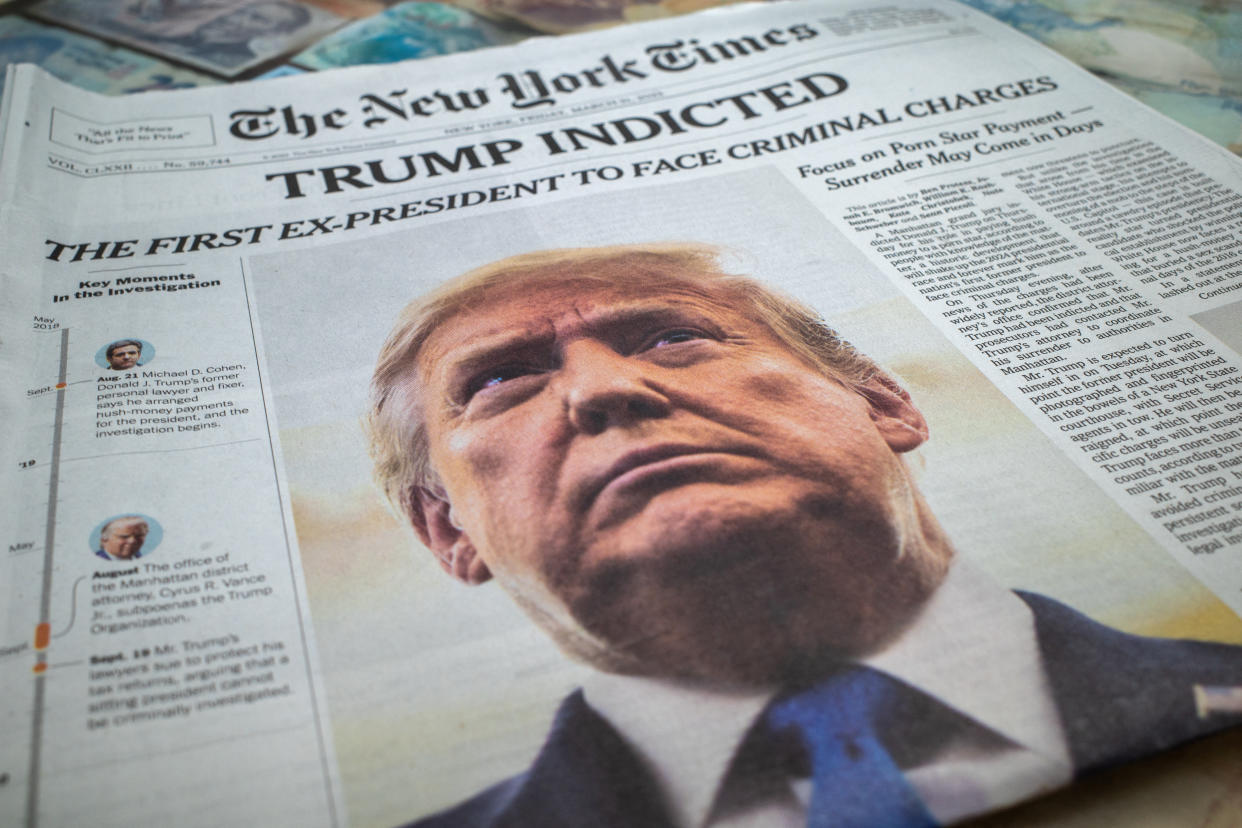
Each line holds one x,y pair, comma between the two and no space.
801,413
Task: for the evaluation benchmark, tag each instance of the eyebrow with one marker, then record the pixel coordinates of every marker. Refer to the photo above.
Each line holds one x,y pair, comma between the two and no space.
492,349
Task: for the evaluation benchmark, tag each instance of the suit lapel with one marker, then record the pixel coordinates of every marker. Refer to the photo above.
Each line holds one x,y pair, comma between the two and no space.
585,775
1123,696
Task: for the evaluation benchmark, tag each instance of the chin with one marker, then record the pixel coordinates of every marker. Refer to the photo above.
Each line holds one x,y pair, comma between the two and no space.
707,523
747,589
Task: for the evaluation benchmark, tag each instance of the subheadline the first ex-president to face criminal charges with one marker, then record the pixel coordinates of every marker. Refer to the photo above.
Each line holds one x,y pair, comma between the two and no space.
692,484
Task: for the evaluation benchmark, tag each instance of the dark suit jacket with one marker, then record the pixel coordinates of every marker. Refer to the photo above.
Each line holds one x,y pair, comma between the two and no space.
1120,696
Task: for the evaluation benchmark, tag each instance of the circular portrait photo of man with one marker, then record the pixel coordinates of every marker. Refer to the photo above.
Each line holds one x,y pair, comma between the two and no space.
126,537
125,354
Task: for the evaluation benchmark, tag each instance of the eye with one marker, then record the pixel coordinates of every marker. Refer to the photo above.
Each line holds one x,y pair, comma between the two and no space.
494,377
676,336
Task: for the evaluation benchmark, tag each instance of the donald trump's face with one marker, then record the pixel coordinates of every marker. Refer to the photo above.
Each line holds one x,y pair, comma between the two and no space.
123,539
665,486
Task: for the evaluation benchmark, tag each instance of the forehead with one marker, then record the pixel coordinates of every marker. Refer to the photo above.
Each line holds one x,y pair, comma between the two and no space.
128,527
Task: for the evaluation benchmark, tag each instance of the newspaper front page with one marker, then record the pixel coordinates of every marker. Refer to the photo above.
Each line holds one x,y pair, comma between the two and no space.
747,353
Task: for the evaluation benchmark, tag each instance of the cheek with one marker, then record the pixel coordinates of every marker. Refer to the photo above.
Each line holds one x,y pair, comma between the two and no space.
501,482
487,461
773,381
776,396
518,450
777,379
821,429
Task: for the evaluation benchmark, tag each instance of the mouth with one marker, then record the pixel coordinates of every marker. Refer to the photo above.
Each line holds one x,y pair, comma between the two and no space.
634,465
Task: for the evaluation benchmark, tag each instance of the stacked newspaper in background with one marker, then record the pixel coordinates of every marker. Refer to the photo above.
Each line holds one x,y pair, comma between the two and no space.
1080,251
1180,58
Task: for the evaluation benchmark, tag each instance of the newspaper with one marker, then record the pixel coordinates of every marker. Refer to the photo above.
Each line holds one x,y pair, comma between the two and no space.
699,505
222,36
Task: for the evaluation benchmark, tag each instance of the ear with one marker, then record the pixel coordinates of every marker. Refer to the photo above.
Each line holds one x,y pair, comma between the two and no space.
901,425
431,515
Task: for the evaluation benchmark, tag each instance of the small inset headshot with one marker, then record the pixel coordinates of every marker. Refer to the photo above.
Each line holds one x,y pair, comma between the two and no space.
126,537
125,354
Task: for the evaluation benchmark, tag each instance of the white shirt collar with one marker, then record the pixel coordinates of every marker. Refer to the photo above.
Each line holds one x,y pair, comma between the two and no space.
973,647
685,732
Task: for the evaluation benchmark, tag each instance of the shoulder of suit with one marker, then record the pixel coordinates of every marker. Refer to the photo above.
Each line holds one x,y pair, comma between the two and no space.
1065,632
488,807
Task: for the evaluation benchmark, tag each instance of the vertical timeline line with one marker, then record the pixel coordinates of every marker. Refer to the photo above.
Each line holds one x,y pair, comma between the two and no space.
43,629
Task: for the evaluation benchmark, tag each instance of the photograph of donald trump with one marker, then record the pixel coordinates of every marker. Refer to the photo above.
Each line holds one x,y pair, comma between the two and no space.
694,486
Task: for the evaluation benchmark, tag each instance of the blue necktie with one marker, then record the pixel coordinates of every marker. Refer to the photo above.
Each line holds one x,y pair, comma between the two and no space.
856,783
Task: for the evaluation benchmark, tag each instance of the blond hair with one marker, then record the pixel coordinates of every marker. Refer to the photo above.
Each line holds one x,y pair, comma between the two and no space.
105,531
394,424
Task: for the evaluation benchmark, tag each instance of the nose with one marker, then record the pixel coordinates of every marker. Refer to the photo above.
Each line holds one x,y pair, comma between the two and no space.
604,389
